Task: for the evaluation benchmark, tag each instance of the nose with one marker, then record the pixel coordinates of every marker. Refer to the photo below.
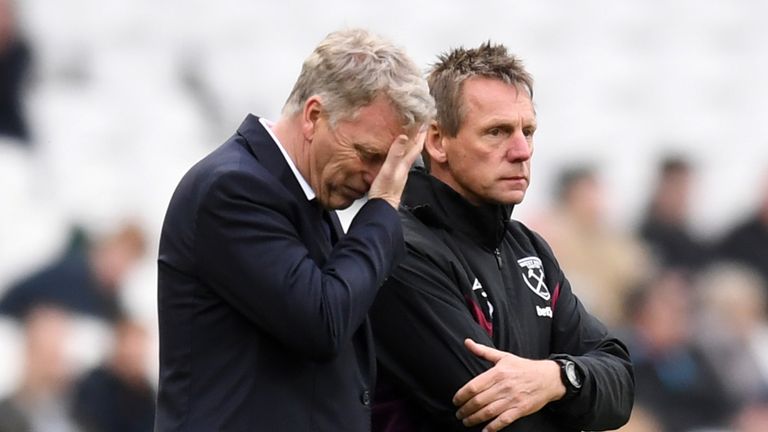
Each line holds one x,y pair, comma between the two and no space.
368,176
520,148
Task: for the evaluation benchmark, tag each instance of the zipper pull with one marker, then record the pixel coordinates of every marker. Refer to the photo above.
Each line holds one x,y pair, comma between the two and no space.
497,253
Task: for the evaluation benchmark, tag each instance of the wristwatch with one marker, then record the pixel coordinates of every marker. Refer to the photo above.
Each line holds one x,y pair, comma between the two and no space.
571,377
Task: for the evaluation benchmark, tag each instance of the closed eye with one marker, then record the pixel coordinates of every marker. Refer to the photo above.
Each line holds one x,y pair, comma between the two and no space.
367,155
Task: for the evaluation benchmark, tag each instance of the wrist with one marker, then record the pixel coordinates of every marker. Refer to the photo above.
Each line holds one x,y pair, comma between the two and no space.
392,201
571,377
559,389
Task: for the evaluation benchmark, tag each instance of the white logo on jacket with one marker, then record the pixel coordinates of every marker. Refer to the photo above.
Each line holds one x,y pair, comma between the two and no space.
477,286
533,275
544,311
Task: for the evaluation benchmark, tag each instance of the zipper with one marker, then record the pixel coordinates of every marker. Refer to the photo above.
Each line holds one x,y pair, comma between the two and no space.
497,253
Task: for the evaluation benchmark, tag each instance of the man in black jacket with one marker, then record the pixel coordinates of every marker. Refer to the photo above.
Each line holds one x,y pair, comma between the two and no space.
478,327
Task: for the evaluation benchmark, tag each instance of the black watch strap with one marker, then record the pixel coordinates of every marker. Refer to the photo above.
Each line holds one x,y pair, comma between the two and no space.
571,376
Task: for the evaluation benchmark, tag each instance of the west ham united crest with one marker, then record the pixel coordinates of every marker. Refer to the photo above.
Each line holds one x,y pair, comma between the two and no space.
533,275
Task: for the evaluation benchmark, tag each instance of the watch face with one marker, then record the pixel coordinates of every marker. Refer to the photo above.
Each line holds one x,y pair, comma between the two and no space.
570,372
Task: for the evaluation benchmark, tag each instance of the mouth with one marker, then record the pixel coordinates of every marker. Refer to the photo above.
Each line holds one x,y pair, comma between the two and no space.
516,179
355,193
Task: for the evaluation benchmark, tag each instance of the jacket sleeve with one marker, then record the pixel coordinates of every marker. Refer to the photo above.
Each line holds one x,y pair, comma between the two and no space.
251,255
420,322
607,393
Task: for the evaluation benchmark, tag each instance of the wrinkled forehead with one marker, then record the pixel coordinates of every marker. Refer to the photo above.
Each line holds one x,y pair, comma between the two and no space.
486,95
375,126
381,105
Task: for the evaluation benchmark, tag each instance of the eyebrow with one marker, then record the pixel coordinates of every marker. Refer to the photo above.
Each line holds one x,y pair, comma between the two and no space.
505,123
503,120
368,149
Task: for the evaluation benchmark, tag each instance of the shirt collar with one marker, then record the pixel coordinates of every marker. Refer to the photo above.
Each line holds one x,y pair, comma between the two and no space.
302,182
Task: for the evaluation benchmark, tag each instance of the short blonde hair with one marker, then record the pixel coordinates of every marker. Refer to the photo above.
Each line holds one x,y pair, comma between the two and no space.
447,76
350,68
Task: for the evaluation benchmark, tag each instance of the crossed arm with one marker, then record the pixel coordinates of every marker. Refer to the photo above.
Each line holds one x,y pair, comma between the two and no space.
420,328
512,388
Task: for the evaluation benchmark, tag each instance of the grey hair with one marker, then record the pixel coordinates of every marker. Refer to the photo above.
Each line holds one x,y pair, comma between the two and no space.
350,68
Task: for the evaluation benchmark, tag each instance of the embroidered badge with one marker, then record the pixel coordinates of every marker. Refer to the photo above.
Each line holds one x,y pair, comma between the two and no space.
533,275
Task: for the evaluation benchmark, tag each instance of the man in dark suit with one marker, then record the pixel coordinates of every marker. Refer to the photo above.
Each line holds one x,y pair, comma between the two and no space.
263,299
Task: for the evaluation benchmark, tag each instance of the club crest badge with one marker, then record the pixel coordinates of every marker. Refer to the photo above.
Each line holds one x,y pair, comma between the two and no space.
533,275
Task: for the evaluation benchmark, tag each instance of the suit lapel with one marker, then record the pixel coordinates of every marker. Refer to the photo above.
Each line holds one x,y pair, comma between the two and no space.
264,148
261,145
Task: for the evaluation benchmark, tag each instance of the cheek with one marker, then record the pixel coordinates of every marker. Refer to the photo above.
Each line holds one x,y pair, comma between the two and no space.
469,160
464,166
339,171
483,166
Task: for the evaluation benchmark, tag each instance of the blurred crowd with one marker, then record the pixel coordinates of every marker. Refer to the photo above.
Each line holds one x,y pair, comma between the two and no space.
692,309
54,389
53,394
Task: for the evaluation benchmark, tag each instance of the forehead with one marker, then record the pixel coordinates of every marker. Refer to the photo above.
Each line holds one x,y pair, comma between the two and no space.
374,126
487,97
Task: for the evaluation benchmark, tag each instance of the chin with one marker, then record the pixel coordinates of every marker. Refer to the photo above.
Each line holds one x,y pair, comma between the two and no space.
339,203
511,199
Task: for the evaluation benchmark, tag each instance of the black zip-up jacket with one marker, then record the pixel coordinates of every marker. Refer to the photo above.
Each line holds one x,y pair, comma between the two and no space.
471,272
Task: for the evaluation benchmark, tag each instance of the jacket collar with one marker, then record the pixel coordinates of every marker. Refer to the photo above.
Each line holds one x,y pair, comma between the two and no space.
437,204
259,143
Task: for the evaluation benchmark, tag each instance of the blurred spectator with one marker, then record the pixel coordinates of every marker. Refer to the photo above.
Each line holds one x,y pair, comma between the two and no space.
601,263
41,403
642,420
14,62
85,279
747,243
117,396
753,418
673,378
665,226
733,330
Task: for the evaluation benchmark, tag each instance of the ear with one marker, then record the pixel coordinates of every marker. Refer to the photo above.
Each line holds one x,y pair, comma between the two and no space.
434,145
312,112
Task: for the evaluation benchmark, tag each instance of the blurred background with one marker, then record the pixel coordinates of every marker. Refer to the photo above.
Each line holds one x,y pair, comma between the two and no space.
650,179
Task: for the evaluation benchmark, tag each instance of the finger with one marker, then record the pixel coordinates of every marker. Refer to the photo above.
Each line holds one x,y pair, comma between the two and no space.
474,387
505,419
480,402
487,412
491,354
399,149
395,167
421,136
390,180
414,146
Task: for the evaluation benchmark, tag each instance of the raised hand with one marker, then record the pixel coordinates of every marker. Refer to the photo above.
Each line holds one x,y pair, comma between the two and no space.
390,181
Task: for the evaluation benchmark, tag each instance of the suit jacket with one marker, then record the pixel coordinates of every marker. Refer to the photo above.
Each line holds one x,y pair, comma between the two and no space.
263,320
